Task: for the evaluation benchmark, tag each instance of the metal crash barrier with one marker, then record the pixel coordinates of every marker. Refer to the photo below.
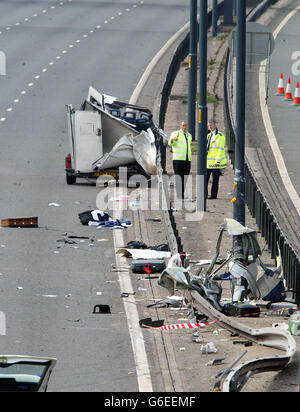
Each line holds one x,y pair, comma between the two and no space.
259,206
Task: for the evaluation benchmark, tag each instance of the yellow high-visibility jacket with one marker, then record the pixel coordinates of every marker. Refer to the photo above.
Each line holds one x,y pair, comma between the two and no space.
216,157
182,147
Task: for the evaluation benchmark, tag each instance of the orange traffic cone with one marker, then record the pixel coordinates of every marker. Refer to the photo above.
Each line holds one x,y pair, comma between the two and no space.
288,94
296,100
280,88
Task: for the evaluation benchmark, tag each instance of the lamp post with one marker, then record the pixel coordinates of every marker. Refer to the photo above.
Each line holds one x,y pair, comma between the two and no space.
192,67
214,29
239,174
202,110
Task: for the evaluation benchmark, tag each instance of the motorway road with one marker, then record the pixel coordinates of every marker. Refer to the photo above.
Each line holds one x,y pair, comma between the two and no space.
282,20
54,51
284,117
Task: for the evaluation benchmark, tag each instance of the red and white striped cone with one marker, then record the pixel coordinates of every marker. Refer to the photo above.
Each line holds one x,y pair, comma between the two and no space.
280,87
288,93
296,100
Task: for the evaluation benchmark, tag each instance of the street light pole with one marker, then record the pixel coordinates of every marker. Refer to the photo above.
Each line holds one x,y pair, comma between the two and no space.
214,30
192,68
239,174
202,110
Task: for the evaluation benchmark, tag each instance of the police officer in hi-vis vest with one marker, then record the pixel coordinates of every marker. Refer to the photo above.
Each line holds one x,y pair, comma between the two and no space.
216,157
180,141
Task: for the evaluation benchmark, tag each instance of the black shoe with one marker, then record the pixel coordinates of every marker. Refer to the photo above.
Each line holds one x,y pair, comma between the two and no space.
211,197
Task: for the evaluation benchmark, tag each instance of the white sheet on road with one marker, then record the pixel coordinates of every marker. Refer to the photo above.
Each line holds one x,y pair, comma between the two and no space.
143,253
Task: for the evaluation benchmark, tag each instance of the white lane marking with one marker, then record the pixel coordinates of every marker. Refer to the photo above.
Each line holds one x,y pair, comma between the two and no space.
2,324
268,124
136,336
51,63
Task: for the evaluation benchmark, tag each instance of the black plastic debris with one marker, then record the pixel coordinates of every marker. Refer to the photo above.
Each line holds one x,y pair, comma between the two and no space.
126,294
67,241
149,322
101,309
163,247
78,237
137,244
242,342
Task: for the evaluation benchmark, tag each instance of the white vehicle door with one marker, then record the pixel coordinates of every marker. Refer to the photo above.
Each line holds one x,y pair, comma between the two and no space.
87,140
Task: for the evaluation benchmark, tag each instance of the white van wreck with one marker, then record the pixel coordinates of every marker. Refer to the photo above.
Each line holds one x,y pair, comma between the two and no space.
106,134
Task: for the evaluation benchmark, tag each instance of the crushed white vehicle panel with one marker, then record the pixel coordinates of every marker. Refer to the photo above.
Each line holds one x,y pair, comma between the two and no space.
130,149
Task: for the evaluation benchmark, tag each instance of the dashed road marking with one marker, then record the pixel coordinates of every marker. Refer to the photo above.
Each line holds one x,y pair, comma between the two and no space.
70,46
2,323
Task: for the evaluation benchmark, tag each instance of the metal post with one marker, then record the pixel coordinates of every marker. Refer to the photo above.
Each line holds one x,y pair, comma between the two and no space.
228,12
239,174
202,110
192,68
234,7
214,18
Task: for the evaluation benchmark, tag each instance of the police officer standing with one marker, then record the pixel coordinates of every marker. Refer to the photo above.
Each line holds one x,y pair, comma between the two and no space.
216,157
181,141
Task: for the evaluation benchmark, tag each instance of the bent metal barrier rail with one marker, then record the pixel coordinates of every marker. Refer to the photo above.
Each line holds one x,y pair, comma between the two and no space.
259,207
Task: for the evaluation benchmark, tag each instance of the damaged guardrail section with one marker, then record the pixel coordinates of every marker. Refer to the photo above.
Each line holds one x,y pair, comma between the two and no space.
275,338
255,199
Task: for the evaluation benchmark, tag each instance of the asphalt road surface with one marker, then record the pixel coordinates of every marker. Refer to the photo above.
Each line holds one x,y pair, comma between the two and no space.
54,51
284,116
282,20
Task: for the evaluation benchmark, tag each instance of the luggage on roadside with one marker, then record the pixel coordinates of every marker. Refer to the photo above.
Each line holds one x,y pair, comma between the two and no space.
93,216
148,265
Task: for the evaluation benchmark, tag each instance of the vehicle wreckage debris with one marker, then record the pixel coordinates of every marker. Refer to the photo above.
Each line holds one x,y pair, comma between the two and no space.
215,361
175,301
67,241
78,237
137,244
243,342
217,385
126,294
101,309
148,322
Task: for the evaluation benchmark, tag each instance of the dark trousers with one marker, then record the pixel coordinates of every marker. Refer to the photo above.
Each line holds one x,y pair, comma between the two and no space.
216,173
181,168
